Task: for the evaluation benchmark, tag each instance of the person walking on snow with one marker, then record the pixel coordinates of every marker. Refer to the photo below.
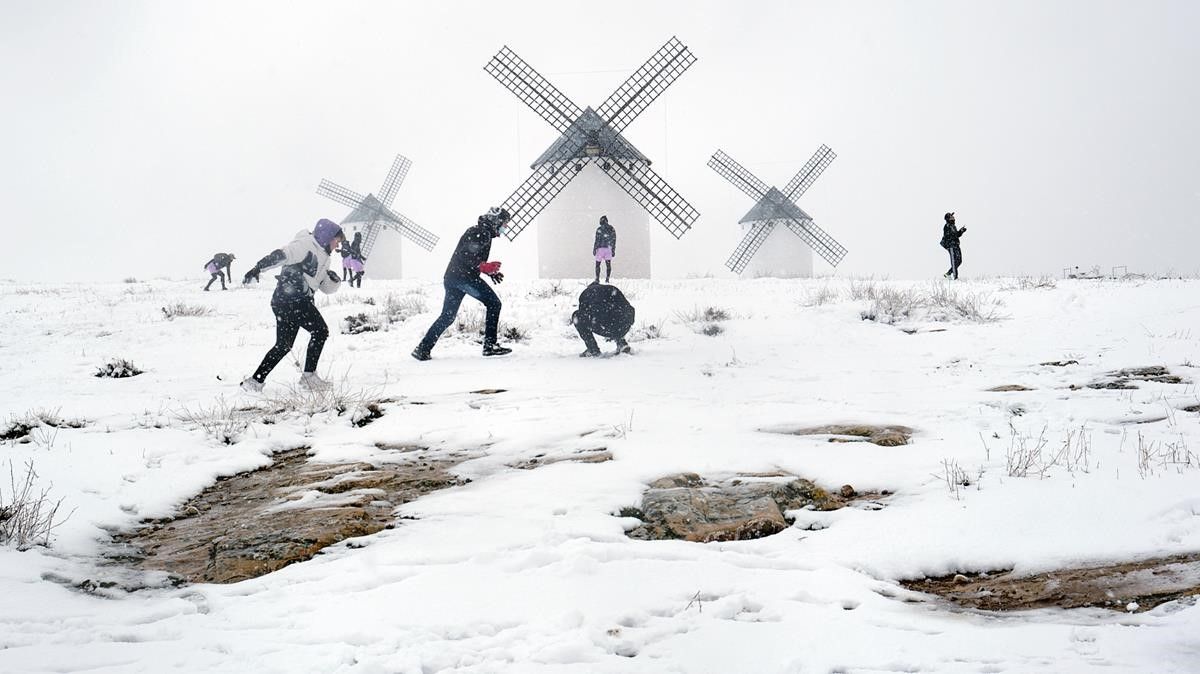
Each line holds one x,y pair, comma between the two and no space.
305,270
469,260
950,237
347,273
603,310
221,267
604,249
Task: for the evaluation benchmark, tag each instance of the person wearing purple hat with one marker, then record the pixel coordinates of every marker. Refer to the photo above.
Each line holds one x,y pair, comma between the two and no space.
305,270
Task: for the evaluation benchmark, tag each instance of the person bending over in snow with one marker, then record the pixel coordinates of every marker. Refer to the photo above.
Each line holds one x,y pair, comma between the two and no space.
950,237
603,310
604,249
221,267
468,261
305,270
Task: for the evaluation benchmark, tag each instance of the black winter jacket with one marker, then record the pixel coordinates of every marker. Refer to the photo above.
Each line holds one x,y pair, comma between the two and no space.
606,237
950,235
472,250
604,310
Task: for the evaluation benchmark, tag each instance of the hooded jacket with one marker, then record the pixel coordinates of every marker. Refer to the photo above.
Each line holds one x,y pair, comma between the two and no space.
604,310
472,250
305,268
606,237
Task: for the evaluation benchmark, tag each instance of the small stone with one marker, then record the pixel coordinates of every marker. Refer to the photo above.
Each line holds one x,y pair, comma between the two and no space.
847,491
960,579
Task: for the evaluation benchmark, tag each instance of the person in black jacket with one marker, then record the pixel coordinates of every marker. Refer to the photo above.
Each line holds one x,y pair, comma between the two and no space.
604,249
469,260
950,236
603,310
221,267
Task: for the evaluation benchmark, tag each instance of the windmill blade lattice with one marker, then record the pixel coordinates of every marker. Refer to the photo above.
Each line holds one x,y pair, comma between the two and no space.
646,84
749,246
534,90
538,190
654,194
817,239
376,213
400,223
331,190
738,175
395,177
809,173
589,136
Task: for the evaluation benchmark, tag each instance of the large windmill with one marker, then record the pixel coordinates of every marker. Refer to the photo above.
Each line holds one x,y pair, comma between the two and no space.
373,214
591,146
787,255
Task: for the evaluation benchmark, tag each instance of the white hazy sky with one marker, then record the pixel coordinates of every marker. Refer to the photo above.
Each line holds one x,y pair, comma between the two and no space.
141,137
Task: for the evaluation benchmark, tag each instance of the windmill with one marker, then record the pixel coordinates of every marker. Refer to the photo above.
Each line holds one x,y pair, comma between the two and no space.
591,145
776,207
373,214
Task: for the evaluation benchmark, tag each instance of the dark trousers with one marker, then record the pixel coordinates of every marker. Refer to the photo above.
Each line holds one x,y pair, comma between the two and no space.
456,289
290,316
589,340
607,270
955,261
220,275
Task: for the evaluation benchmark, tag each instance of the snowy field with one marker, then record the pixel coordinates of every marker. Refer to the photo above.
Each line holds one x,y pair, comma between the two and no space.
530,570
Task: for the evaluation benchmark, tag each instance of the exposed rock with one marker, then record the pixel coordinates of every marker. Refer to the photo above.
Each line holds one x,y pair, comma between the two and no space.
1142,585
1059,363
1009,387
1123,379
885,436
596,455
257,522
687,507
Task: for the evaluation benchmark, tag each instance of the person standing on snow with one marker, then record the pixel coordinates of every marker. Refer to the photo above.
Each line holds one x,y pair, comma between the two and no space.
221,267
604,249
356,259
468,261
603,310
950,237
305,270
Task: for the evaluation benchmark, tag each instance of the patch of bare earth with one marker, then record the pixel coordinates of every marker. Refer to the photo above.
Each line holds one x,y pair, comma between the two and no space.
1008,388
885,436
594,455
256,522
1132,586
689,507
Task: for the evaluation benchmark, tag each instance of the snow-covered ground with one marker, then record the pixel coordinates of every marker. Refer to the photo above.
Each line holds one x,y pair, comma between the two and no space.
530,570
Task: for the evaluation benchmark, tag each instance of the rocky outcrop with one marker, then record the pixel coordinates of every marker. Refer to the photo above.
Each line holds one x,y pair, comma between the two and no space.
688,507
885,436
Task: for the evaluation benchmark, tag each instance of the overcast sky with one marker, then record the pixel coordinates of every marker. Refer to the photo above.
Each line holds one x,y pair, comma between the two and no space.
141,137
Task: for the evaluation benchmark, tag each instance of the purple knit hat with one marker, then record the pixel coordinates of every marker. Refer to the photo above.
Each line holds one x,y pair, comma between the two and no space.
326,230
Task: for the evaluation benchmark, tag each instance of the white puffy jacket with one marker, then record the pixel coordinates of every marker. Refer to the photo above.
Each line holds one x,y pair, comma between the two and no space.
305,267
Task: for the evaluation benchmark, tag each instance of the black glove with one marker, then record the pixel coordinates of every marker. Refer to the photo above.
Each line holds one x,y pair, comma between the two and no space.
497,278
334,277
962,230
251,275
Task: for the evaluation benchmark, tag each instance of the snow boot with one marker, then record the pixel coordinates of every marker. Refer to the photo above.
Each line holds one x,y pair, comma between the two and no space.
309,381
421,354
624,348
251,385
590,354
495,350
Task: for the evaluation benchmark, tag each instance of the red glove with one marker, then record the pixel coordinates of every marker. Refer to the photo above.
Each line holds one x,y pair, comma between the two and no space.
489,268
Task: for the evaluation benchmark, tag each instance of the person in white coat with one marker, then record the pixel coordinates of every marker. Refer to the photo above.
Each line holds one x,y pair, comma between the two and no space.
305,271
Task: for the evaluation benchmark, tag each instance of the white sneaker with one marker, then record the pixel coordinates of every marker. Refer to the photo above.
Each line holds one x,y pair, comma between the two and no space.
309,381
251,385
